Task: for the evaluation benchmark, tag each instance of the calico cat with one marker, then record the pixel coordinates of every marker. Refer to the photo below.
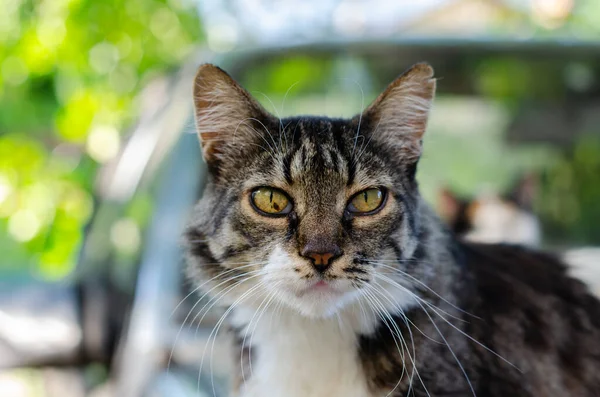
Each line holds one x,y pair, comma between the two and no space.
509,218
341,282
493,218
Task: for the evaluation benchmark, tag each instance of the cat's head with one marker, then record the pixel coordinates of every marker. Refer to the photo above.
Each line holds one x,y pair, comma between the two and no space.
491,217
307,210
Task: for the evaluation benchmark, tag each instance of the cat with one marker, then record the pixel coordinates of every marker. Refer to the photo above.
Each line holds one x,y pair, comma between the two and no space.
509,218
340,281
493,218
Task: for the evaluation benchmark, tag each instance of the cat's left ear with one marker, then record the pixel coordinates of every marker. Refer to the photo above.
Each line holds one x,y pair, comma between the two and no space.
398,117
226,115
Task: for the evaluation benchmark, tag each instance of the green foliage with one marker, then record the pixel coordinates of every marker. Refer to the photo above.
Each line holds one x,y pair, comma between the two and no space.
571,193
70,73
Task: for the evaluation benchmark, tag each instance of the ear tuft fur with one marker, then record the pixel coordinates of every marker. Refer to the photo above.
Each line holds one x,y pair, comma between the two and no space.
399,115
225,113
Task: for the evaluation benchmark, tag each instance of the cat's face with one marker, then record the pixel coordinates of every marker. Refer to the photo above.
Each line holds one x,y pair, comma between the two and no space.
306,212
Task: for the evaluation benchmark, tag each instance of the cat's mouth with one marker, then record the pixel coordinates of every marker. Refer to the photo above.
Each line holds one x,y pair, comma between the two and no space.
319,286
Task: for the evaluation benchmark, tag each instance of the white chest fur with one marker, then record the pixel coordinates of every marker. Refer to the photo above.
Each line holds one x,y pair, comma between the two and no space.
295,356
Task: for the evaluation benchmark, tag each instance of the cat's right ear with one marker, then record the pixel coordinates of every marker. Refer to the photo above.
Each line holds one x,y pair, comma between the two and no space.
525,191
225,114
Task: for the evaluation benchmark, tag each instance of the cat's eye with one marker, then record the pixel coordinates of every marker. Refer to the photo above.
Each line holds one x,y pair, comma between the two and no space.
366,202
271,201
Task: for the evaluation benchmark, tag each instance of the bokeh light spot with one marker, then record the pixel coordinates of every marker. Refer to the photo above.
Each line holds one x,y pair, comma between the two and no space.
125,235
103,143
5,188
24,225
551,14
164,24
222,37
51,32
104,57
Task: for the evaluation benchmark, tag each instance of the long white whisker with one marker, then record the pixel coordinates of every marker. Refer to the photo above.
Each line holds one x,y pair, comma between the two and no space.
283,105
450,349
217,297
216,328
408,291
474,340
258,310
273,294
403,273
266,129
272,149
435,309
411,358
200,300
278,116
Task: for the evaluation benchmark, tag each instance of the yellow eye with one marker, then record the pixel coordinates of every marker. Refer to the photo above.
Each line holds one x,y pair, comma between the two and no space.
367,201
270,201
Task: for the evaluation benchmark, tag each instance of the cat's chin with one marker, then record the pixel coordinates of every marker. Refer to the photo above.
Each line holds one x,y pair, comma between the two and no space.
319,304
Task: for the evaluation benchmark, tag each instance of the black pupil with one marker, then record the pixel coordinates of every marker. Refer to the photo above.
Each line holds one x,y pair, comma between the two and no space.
274,205
366,196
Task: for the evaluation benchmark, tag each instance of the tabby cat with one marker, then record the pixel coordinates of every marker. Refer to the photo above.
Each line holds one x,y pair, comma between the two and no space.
341,282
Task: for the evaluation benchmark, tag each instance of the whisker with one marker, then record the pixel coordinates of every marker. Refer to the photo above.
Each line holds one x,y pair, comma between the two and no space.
365,145
403,273
408,291
273,294
436,309
283,106
198,302
219,295
271,152
215,299
276,112
476,341
412,359
450,349
215,330
406,320
362,109
248,328
267,130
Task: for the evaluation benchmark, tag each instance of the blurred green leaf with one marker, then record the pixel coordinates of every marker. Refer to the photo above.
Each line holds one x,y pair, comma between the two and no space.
70,67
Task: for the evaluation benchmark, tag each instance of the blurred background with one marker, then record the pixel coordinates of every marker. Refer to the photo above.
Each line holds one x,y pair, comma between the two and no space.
99,166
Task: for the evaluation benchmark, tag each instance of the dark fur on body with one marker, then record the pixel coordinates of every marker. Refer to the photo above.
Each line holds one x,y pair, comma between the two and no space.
489,320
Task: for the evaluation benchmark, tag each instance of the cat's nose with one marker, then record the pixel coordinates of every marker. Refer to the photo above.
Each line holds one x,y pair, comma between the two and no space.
321,254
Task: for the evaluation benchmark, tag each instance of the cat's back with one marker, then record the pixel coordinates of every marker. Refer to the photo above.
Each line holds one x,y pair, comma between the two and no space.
532,313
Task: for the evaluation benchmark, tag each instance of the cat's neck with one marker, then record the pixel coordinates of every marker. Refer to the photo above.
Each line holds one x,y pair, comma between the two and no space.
297,356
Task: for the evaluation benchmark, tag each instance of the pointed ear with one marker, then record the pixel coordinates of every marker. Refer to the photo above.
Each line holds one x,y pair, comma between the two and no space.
398,117
225,113
524,192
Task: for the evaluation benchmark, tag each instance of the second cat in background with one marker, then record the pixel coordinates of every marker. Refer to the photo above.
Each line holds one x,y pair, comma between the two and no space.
510,218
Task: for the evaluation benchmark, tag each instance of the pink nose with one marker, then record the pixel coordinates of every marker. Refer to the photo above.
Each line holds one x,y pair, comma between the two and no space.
321,254
320,259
